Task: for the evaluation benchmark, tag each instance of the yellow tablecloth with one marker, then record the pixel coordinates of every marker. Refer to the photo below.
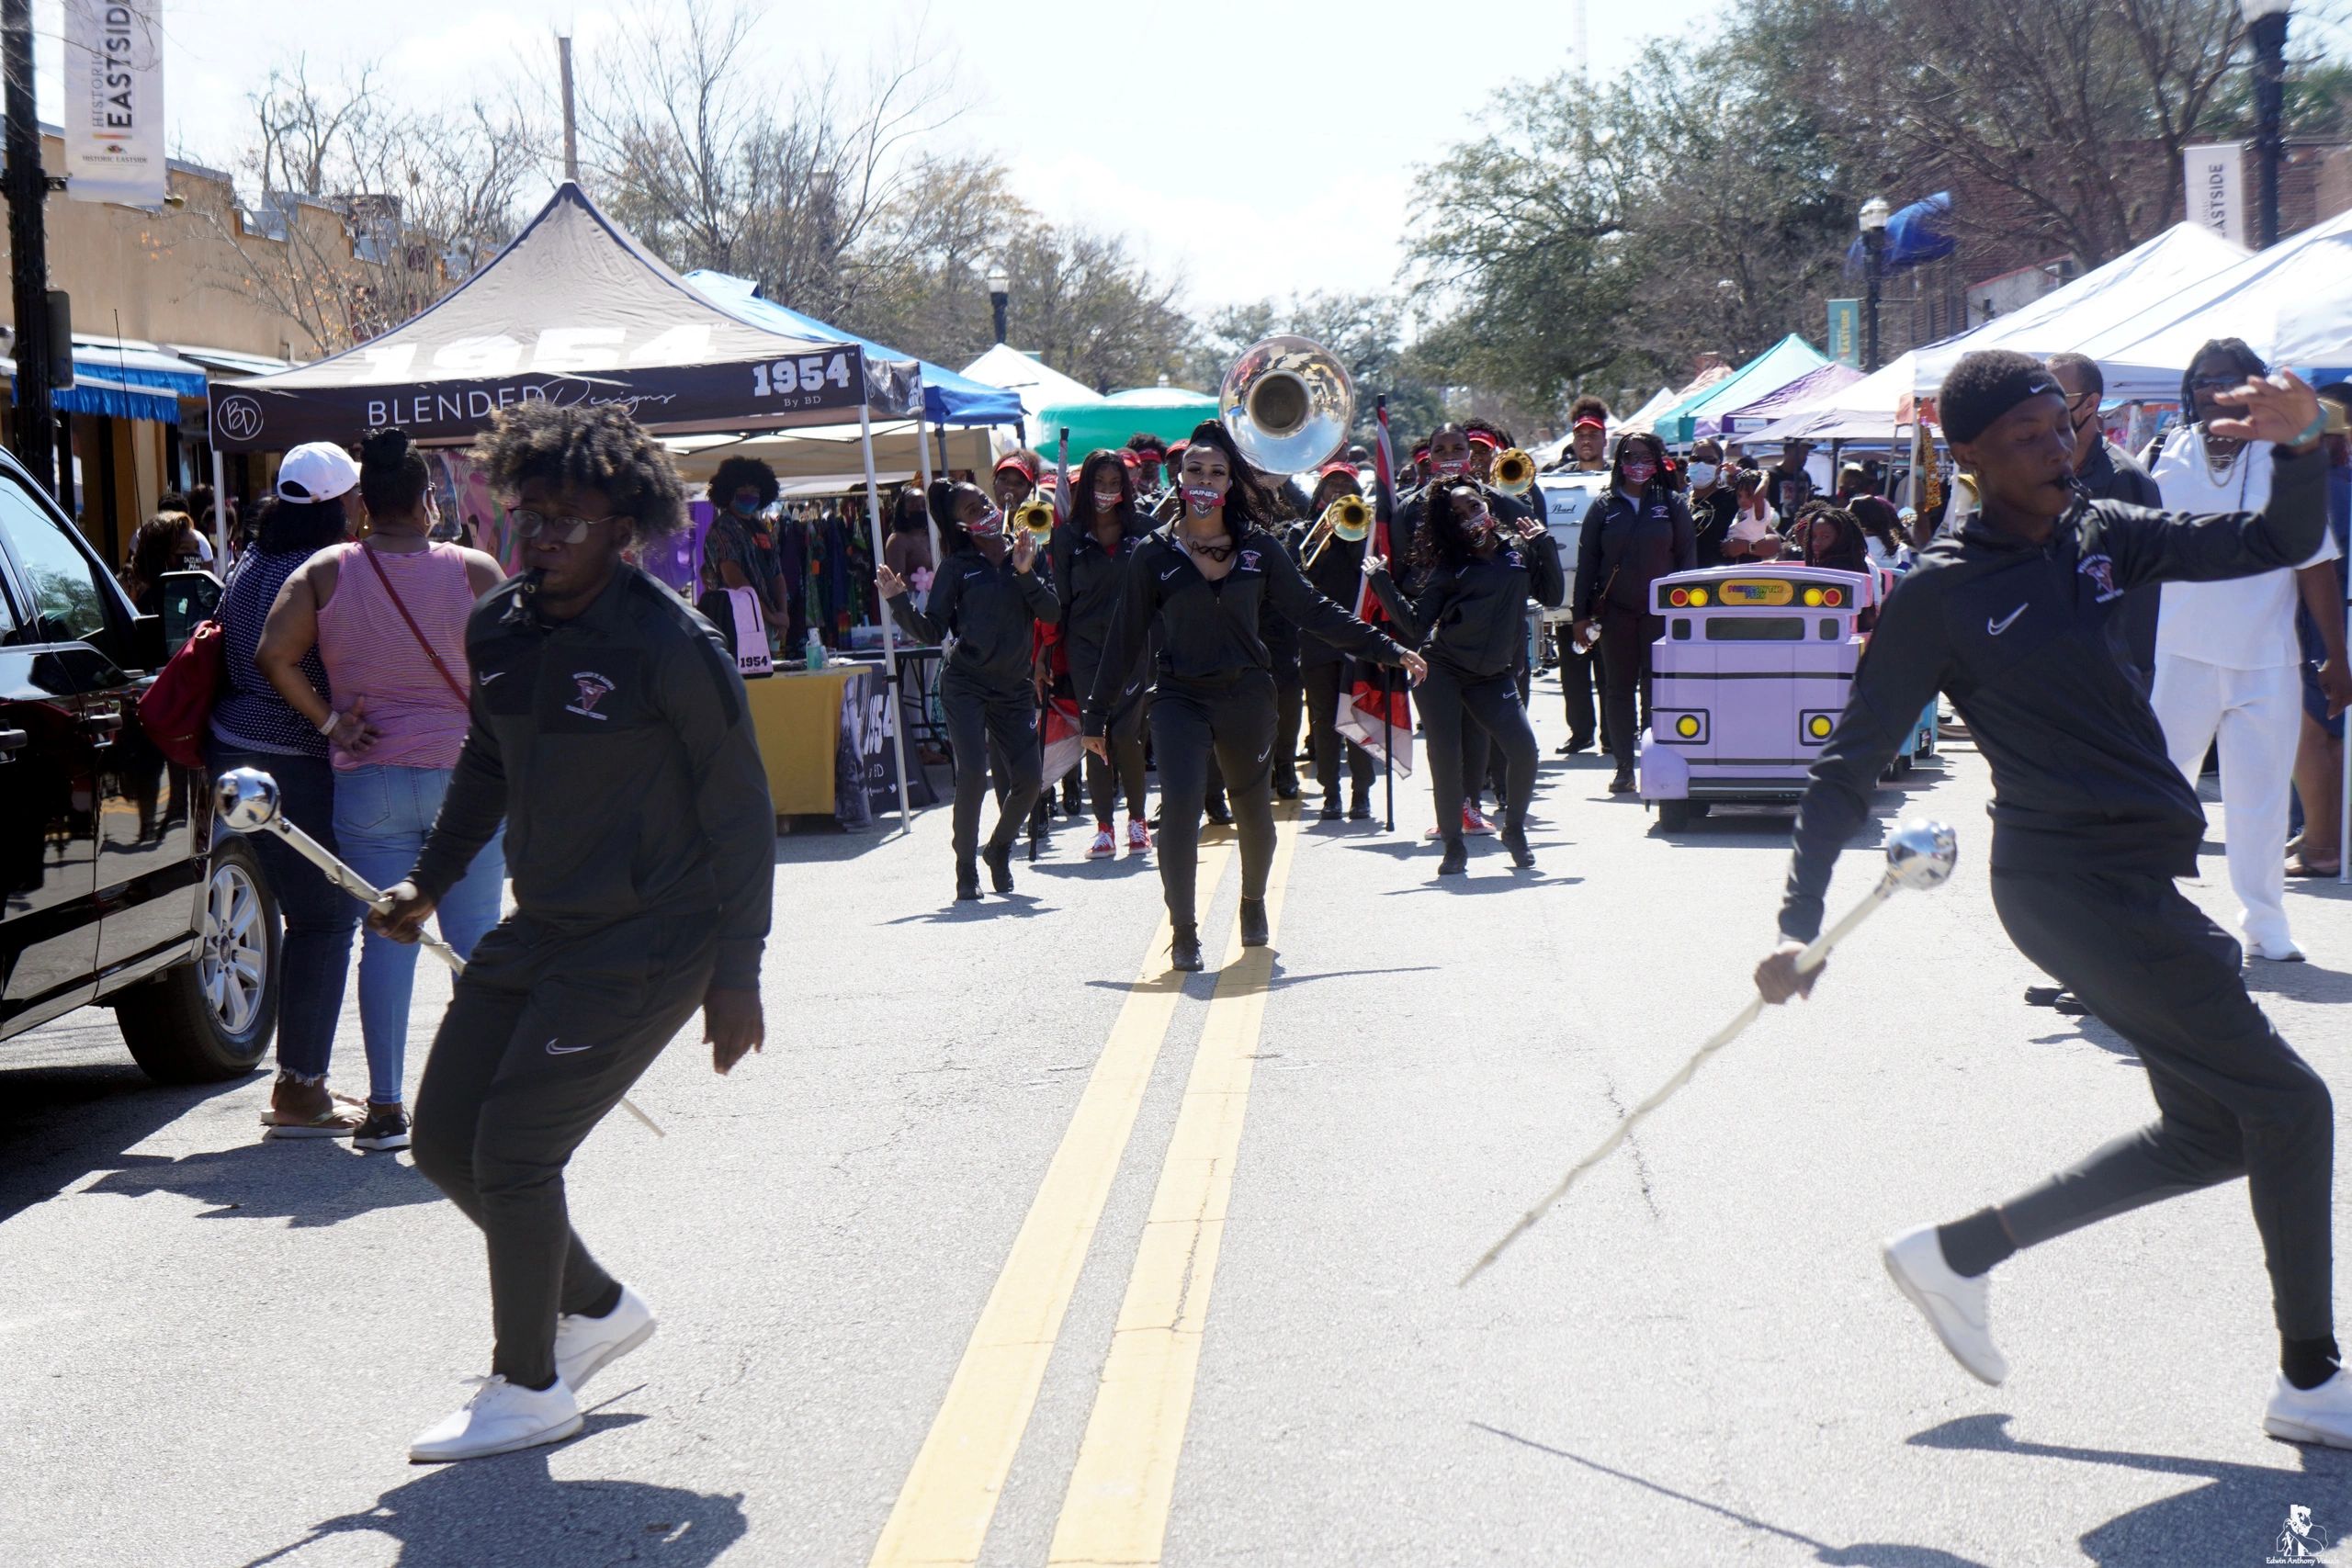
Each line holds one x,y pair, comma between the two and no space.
797,716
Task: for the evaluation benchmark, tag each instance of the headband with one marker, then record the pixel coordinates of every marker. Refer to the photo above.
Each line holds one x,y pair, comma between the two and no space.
1019,466
1480,438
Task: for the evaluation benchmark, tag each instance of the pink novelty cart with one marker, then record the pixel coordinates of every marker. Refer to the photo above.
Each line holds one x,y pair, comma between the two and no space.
1749,682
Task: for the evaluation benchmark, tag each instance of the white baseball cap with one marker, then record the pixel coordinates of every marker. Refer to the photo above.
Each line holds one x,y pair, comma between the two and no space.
316,471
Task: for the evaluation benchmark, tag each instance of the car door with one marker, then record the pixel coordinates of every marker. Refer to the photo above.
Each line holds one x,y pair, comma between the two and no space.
146,832
48,789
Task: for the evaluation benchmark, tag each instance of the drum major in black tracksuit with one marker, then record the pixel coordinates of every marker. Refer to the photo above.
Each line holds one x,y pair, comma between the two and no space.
1470,621
1215,689
1091,581
2091,824
987,690
1477,750
1627,545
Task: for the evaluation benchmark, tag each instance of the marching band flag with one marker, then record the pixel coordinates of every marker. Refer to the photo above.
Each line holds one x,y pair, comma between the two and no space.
1064,738
1378,714
114,93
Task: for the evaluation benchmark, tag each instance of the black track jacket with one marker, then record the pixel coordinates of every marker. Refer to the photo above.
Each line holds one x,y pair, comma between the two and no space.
618,748
2016,635
1472,619
1208,631
993,611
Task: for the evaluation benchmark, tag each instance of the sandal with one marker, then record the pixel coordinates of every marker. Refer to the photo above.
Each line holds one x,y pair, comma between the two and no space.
2299,867
299,1109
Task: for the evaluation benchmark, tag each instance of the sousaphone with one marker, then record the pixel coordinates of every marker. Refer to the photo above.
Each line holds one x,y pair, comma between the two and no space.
1287,403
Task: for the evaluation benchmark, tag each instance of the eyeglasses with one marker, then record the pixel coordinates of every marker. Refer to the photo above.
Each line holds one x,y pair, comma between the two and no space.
2216,383
530,524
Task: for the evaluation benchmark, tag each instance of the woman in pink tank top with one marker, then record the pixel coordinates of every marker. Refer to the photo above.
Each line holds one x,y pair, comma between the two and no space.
388,616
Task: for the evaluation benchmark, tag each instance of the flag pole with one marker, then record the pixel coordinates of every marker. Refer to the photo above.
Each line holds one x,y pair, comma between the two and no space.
1384,514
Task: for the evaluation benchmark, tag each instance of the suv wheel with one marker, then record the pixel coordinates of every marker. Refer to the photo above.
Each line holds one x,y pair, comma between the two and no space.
212,1018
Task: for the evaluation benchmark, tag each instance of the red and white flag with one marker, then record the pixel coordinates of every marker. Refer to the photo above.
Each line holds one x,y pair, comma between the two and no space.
1377,714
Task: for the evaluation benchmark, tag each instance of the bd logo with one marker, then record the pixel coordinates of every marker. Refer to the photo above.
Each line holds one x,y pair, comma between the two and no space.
240,417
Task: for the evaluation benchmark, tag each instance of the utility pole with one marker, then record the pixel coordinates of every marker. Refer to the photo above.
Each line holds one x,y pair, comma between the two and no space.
570,126
2266,24
26,188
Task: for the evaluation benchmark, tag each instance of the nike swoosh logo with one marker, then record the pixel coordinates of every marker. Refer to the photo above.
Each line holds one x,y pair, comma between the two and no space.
556,1050
2005,623
1169,573
489,675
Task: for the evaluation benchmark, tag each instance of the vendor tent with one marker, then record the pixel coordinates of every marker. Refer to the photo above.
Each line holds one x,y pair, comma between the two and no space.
1816,383
1702,414
2125,295
2292,303
573,310
1169,412
1035,383
1875,409
947,398
1645,421
834,453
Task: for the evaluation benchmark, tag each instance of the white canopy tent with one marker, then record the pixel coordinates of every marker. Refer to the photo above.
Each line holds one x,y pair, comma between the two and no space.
2292,303
1036,384
2127,291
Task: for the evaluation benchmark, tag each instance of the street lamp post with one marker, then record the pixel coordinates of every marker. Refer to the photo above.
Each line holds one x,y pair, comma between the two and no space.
1873,221
2266,25
999,295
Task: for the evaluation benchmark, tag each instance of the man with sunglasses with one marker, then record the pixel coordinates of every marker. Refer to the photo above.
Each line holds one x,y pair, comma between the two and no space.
2105,471
611,735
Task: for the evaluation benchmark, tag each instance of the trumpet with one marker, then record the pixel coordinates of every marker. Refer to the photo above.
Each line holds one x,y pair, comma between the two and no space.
1514,471
1036,514
1349,518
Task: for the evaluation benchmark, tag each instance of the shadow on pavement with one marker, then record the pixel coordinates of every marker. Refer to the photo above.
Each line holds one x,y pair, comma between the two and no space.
1472,886
76,1104
2234,1518
1865,1554
310,1181
509,1512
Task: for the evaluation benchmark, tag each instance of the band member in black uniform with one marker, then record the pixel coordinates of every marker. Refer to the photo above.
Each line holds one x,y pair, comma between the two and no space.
1335,572
1090,556
1203,581
987,592
1634,533
1287,502
2091,825
1470,617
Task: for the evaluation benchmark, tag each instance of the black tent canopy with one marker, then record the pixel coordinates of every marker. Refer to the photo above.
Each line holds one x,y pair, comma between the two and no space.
573,310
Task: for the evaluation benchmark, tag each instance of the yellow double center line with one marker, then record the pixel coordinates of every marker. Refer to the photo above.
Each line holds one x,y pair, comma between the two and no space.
1120,1491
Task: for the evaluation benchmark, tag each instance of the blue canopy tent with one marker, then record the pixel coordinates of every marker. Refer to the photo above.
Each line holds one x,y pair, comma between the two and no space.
947,398
1702,413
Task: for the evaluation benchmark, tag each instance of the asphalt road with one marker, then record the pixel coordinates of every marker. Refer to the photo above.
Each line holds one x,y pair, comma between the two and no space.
1012,1250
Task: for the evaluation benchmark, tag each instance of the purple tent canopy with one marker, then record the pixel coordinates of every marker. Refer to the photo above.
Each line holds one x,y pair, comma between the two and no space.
1828,377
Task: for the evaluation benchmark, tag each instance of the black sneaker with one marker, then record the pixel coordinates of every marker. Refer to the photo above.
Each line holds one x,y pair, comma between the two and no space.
1515,840
1362,810
385,1128
1218,812
1254,932
1457,859
1000,859
1330,810
1184,950
967,882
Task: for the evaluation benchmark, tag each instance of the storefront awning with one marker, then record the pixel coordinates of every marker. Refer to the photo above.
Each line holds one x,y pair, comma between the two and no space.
101,395
127,362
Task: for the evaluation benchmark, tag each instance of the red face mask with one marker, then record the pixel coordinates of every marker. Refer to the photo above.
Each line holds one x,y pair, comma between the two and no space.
1201,500
1638,470
1450,468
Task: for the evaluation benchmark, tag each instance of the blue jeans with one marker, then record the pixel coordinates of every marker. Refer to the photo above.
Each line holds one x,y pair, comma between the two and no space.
315,957
381,817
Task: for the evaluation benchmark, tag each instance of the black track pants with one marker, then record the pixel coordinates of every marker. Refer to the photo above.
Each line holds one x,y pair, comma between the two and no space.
1323,699
1450,707
1625,638
981,720
1235,718
1105,782
1579,673
2233,1099
544,1035
1290,698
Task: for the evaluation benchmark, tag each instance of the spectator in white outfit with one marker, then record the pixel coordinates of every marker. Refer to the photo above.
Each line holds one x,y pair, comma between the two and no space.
2228,664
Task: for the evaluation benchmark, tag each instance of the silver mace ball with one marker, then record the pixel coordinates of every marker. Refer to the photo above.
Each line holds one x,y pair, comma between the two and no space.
246,799
1919,854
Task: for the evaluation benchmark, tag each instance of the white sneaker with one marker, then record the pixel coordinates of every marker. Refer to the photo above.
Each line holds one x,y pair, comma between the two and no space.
1956,1307
584,1346
2321,1414
500,1418
2277,951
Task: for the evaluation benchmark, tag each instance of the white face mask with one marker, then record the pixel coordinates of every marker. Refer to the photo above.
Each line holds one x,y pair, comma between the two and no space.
1703,475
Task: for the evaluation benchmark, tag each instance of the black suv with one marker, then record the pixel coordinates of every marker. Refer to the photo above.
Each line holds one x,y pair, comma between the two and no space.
114,885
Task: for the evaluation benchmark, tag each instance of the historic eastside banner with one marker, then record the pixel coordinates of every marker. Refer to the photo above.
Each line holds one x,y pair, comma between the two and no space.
2214,177
114,101
1846,332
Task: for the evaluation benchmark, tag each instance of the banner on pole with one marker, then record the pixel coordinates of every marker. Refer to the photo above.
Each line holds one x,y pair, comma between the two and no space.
2213,174
1846,332
113,94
